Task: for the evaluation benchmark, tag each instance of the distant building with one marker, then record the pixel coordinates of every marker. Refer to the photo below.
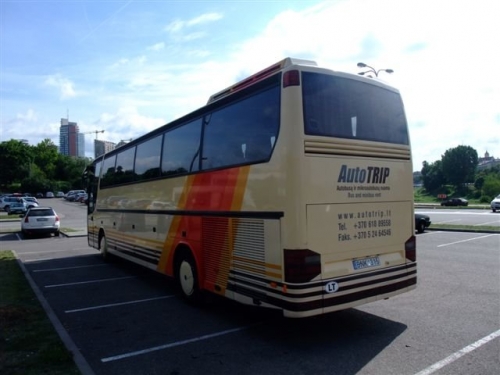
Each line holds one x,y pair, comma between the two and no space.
487,161
70,141
101,147
81,145
123,142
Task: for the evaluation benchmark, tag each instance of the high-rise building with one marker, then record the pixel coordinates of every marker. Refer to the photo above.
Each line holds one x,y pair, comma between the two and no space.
81,145
101,147
69,138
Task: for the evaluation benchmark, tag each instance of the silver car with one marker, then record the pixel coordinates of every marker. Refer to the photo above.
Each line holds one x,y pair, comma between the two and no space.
495,203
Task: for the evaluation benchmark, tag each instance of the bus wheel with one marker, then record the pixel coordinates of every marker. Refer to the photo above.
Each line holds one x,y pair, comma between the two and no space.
187,278
103,246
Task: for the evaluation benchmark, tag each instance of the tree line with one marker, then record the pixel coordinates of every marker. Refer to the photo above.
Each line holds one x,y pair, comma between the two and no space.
457,173
40,168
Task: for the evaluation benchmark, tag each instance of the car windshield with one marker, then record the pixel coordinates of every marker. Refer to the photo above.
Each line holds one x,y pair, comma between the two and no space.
44,212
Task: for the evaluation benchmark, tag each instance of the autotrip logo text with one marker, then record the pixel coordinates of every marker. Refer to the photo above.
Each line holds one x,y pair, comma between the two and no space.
368,175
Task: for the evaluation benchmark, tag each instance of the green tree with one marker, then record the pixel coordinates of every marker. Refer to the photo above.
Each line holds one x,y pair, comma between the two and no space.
459,165
45,156
432,176
15,161
491,186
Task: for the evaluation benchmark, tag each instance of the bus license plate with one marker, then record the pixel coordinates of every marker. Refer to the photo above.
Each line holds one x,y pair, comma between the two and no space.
359,264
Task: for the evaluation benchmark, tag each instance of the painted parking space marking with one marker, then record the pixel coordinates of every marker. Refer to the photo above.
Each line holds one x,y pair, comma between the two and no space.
452,358
117,304
68,268
43,252
89,282
177,343
469,239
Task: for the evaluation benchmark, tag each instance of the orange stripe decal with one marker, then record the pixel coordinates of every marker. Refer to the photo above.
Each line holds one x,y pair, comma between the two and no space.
211,191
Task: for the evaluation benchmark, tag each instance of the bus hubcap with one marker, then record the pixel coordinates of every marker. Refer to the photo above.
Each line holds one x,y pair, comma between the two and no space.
186,278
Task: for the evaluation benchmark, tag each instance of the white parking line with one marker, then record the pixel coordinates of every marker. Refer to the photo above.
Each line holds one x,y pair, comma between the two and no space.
18,237
89,282
452,358
69,268
117,304
44,252
177,343
469,239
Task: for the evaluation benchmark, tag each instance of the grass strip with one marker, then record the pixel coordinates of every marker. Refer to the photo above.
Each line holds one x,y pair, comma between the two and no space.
468,228
29,344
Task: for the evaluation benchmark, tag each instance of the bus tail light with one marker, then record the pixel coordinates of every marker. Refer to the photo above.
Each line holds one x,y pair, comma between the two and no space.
291,78
411,249
301,265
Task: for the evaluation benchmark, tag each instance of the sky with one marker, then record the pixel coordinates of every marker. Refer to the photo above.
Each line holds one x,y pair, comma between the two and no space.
128,67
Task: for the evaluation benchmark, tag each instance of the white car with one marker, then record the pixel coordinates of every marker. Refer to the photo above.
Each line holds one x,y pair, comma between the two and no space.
40,220
495,203
31,202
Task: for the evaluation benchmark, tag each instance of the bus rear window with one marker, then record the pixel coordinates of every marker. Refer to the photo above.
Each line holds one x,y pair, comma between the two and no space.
346,108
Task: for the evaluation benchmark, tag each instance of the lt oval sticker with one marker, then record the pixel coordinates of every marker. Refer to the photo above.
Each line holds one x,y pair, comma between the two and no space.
331,287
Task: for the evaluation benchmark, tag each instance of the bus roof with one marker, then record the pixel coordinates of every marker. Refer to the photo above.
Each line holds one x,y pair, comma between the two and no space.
285,63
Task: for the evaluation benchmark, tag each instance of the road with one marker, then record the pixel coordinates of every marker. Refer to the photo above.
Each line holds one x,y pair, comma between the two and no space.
123,319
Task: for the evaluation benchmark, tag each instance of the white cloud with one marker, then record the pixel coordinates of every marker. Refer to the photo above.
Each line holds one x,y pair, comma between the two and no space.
179,25
64,85
157,47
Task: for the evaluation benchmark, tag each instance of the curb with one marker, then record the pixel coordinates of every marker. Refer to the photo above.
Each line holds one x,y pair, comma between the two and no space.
462,230
68,342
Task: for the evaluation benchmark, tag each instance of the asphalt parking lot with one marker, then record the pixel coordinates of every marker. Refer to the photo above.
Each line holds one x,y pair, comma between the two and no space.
119,318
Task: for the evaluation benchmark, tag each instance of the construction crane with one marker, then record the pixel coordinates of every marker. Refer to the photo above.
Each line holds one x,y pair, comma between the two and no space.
93,131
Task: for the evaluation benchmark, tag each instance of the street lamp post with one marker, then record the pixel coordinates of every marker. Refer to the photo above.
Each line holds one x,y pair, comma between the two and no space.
372,70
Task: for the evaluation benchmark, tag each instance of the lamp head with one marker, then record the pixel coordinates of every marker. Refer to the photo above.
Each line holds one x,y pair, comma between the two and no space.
361,65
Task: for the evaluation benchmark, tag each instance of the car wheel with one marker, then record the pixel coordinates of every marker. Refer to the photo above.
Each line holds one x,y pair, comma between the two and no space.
25,234
421,227
187,277
57,233
6,208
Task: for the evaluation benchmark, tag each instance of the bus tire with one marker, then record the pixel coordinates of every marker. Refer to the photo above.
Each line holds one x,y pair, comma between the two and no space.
187,277
103,247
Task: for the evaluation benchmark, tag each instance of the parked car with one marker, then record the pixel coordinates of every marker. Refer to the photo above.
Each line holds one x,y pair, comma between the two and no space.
422,222
59,194
455,202
82,198
18,208
41,220
39,195
31,202
495,203
49,194
70,195
7,201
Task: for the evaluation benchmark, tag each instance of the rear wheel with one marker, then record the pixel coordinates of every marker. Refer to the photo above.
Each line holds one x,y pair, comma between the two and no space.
187,277
103,246
421,227
57,233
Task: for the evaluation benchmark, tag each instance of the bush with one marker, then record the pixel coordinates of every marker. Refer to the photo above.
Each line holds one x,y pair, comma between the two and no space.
485,199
